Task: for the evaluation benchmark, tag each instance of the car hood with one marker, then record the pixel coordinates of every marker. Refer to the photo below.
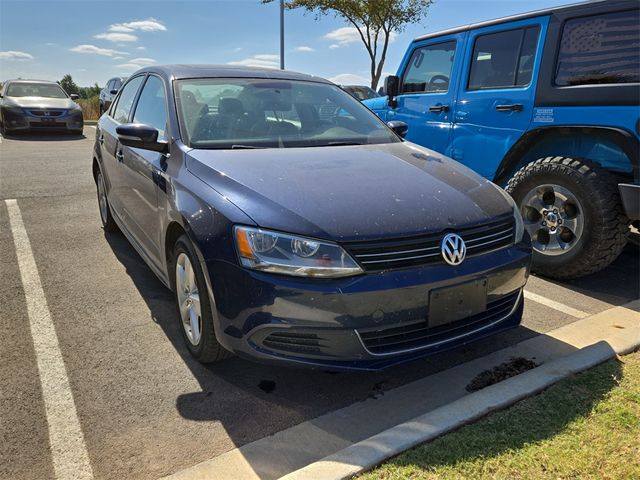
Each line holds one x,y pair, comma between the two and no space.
350,192
40,102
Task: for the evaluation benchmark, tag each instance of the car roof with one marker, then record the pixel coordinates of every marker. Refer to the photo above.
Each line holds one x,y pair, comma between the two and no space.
613,4
227,71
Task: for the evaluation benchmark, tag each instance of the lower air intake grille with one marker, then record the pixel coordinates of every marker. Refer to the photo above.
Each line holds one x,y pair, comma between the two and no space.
416,335
293,342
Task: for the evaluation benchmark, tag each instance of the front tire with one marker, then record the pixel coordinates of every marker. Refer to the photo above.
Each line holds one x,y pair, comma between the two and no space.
193,308
572,210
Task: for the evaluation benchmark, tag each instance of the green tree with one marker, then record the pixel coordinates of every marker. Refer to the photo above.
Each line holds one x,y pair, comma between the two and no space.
68,85
375,21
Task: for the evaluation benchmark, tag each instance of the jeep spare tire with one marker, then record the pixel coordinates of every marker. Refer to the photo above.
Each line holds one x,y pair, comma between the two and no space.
572,210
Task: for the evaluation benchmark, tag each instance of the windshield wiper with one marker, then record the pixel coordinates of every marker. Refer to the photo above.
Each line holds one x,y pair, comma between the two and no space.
343,143
238,147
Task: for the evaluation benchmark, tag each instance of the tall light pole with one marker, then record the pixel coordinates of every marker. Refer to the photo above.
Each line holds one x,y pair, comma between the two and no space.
281,34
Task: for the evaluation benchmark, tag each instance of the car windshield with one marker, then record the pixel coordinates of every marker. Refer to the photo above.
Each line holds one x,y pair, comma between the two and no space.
35,90
361,93
227,113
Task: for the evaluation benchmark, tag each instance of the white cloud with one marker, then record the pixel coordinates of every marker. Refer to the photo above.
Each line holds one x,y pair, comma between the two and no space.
118,58
148,25
14,55
237,49
142,61
304,48
50,44
262,60
129,66
344,35
141,48
92,49
116,37
350,79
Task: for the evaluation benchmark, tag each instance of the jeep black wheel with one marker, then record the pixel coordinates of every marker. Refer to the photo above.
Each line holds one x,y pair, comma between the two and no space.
573,213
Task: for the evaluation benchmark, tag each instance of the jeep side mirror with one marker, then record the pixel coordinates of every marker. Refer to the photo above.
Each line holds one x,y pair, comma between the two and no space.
392,88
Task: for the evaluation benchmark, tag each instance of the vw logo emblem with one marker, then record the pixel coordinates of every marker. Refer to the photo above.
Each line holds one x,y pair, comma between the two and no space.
453,249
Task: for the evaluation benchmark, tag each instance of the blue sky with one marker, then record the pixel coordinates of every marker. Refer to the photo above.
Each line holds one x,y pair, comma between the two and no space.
94,40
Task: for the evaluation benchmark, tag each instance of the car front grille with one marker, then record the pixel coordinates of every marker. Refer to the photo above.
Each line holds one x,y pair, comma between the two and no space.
294,342
46,113
419,335
425,249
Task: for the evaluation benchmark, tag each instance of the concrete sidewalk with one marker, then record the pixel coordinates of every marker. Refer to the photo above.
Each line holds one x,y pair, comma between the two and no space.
346,441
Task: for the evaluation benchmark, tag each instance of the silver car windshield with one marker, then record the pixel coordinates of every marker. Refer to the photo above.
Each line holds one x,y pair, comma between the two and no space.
24,89
227,113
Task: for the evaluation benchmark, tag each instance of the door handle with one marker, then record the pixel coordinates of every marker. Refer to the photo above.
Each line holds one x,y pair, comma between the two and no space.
511,107
119,155
439,108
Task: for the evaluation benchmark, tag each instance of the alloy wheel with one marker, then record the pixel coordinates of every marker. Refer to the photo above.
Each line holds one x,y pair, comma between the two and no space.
554,218
188,299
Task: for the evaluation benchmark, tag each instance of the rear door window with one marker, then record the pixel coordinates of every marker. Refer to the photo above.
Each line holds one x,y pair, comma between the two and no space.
503,59
125,100
429,69
600,49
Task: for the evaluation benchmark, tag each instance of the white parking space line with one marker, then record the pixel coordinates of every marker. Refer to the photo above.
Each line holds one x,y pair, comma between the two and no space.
561,307
68,449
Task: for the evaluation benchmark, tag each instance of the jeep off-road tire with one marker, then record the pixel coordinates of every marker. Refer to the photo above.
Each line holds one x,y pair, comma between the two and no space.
586,199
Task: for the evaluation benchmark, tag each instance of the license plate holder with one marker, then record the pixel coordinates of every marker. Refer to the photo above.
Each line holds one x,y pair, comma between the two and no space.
450,304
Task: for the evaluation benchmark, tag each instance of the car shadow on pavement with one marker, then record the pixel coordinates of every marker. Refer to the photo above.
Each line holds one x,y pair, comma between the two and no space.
617,284
43,137
253,400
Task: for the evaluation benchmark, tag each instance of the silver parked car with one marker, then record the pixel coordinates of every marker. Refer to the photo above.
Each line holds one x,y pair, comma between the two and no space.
38,105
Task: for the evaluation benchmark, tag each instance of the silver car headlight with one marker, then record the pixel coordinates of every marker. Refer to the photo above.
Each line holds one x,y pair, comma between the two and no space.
277,252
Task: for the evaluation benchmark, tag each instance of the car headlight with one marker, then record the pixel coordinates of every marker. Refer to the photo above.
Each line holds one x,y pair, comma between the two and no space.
276,252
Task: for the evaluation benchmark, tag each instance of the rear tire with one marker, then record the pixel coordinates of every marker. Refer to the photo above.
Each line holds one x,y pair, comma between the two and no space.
193,309
573,212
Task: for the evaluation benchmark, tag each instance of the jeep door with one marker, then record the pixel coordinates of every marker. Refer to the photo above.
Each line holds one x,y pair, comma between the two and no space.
428,77
496,93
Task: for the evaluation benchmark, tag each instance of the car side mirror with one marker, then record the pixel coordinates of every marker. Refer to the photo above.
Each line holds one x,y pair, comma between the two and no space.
113,91
400,128
74,96
392,88
139,135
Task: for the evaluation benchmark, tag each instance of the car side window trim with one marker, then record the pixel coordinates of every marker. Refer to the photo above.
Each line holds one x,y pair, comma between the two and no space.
456,47
472,50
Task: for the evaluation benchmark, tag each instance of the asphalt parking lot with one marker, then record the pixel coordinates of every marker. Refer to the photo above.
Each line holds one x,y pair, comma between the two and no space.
145,408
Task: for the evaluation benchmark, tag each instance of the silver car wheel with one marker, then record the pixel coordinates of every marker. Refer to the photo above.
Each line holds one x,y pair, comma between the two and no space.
554,218
102,199
188,299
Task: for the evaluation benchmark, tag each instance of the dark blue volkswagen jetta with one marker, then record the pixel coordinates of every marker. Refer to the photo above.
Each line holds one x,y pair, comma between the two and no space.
295,227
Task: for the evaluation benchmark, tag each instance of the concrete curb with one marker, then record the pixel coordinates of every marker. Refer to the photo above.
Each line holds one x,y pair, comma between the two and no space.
370,452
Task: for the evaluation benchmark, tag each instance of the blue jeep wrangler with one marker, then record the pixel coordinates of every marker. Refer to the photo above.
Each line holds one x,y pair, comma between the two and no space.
545,104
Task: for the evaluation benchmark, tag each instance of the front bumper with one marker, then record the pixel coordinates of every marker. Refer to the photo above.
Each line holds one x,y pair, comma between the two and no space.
630,194
338,323
24,120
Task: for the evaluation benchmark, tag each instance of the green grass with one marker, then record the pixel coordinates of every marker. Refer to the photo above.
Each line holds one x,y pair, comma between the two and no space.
587,426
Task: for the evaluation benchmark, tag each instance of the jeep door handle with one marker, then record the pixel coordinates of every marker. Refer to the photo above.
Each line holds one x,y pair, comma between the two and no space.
511,107
439,108
119,155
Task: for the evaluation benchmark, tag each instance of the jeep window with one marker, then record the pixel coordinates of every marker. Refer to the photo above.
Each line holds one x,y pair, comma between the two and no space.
503,59
429,69
600,49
